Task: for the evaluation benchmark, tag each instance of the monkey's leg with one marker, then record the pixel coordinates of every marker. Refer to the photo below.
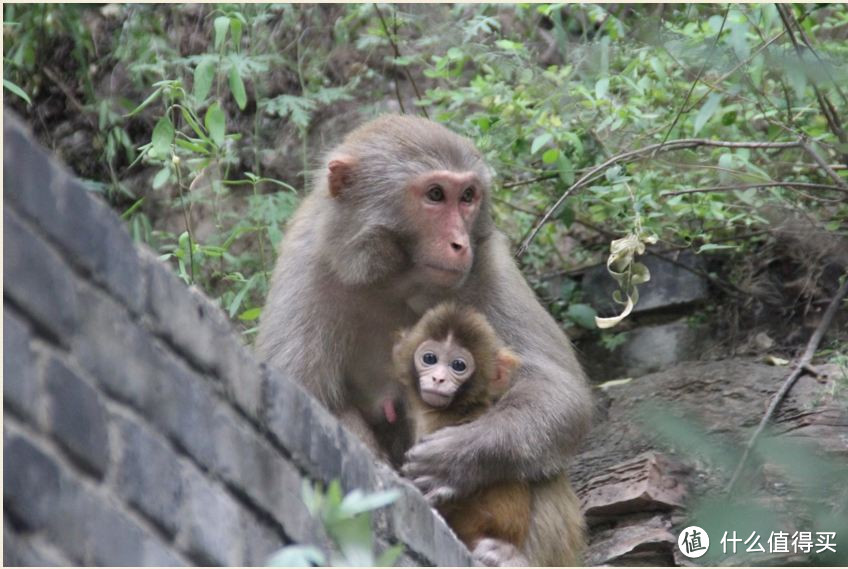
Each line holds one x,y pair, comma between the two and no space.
494,552
352,419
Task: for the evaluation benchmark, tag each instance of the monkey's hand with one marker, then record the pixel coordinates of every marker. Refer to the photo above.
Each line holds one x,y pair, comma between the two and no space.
428,465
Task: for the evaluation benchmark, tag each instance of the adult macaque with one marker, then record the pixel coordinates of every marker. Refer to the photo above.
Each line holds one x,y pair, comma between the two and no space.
453,367
398,221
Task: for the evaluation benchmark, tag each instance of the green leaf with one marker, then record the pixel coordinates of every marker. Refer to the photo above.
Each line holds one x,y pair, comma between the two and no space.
567,215
550,156
714,247
390,556
152,97
565,169
540,141
582,315
602,88
239,297
297,556
222,24
216,124
237,87
204,74
708,109
357,502
235,30
250,314
163,135
161,177
16,90
192,146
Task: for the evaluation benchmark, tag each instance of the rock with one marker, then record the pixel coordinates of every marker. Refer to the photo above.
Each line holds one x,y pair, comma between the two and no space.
670,285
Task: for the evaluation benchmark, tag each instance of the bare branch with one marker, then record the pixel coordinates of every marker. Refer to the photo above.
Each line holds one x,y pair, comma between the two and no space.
805,144
801,364
733,187
695,82
391,39
631,155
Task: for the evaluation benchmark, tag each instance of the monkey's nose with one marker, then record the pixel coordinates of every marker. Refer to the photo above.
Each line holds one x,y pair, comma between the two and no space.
439,380
458,247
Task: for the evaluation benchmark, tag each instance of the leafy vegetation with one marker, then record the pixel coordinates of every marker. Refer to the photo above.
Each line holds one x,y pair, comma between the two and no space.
692,126
689,126
348,523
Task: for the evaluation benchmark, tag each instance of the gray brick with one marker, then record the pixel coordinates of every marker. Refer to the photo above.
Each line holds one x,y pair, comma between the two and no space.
187,319
27,173
41,495
186,409
258,470
117,540
148,475
32,482
77,222
20,387
260,542
77,417
117,352
29,550
214,523
303,426
243,378
42,285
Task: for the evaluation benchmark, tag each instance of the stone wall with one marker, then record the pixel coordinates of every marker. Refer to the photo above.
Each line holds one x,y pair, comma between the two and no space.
137,429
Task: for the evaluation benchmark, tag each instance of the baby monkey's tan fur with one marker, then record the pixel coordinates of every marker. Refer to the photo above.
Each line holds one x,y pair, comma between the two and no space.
498,517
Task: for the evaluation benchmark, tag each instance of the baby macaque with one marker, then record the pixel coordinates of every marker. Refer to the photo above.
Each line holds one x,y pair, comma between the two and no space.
454,367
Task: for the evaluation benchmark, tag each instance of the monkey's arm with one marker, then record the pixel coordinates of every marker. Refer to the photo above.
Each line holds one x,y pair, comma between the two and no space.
537,424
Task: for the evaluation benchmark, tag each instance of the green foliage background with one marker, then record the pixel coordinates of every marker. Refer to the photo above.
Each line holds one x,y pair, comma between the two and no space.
548,92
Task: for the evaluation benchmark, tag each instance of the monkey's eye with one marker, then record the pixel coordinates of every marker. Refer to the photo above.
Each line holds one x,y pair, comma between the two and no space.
458,366
429,358
435,194
468,195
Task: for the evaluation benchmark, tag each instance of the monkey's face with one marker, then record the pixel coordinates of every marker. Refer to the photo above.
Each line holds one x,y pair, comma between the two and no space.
442,368
442,207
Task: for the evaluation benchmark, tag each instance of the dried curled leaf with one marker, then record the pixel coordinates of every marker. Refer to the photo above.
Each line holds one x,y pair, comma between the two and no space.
627,273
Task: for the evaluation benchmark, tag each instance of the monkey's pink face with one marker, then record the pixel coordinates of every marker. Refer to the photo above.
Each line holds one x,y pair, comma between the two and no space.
442,368
444,206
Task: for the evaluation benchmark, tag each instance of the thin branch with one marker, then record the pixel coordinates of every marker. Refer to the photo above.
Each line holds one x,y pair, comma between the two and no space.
801,364
511,205
827,108
542,178
595,172
805,144
695,82
736,68
731,188
391,39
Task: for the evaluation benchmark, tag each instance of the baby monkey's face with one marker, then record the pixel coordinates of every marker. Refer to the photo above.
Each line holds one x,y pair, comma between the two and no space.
442,366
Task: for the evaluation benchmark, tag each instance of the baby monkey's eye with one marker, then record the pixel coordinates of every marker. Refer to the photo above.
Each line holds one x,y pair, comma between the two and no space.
458,366
429,358
436,194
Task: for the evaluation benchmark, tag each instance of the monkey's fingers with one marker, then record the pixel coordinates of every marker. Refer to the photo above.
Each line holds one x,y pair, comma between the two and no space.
425,483
440,495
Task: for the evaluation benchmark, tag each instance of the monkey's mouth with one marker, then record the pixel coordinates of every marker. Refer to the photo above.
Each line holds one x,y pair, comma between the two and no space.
441,275
435,398
443,269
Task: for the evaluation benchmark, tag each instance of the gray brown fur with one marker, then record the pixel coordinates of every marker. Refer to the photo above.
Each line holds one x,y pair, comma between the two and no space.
344,283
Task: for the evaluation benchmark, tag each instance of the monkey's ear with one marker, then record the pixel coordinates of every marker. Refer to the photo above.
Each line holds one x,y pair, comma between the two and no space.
506,363
340,174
